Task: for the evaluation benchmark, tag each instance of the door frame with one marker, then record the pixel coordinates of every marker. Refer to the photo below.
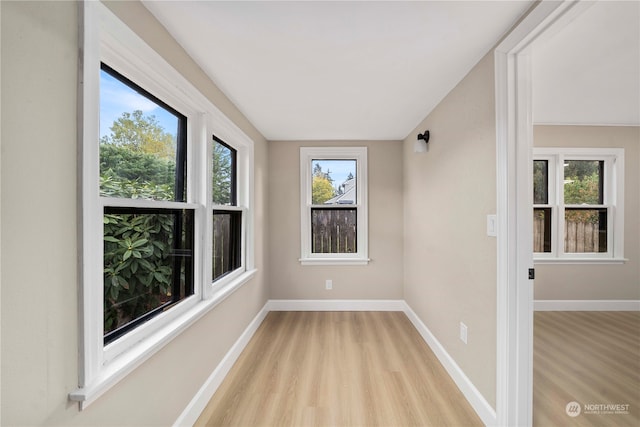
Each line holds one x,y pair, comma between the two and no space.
514,143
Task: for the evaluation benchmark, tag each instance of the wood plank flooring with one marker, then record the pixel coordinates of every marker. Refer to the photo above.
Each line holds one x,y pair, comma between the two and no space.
337,369
592,358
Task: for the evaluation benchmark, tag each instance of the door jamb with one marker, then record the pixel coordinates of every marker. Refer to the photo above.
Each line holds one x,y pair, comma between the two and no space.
514,142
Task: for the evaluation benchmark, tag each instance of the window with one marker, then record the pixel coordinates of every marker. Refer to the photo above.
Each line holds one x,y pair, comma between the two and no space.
148,244
334,205
166,231
227,218
578,211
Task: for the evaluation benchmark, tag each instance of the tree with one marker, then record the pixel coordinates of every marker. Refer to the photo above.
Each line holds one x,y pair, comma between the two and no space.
221,175
540,184
318,172
122,164
322,187
322,190
141,134
582,187
138,154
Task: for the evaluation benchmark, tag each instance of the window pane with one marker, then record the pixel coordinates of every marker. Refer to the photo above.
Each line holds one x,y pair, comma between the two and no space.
227,227
142,142
585,230
333,231
583,182
542,230
540,182
223,174
148,264
334,182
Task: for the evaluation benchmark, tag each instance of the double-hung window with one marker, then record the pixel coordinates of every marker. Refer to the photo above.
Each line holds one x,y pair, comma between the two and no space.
578,204
227,216
333,191
148,224
166,221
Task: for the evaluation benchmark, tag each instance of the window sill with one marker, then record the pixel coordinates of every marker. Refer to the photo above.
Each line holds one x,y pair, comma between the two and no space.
121,366
580,260
334,261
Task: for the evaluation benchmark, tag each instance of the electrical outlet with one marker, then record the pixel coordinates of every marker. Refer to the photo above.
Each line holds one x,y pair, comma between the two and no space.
463,332
328,284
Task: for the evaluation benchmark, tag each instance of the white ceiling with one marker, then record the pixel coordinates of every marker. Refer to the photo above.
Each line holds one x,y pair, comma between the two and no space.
314,70
589,72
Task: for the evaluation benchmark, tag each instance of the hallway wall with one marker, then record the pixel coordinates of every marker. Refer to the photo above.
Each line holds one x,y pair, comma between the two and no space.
450,262
382,277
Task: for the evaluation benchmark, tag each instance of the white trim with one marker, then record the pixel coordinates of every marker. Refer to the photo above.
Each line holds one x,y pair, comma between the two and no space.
479,404
145,203
334,261
587,124
307,155
336,305
613,201
190,415
89,225
514,129
586,305
584,260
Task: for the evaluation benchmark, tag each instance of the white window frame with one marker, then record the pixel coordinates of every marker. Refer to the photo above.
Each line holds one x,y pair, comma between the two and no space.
613,201
307,155
107,39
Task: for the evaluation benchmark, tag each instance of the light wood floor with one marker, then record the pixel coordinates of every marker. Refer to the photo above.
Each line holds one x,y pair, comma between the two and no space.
337,369
588,358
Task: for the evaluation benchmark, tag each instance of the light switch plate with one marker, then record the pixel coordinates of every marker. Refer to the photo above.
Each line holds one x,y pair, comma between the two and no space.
492,225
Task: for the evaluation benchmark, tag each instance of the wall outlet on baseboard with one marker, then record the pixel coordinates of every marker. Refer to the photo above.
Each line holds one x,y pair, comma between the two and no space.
463,332
328,284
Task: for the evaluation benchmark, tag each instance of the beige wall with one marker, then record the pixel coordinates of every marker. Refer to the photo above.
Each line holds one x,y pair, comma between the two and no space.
450,263
597,281
39,275
382,278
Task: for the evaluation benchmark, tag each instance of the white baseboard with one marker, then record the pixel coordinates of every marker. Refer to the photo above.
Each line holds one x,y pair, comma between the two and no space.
484,410
195,407
586,305
336,305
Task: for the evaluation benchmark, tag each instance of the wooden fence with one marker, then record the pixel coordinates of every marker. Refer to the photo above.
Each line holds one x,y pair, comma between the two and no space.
333,231
226,246
579,237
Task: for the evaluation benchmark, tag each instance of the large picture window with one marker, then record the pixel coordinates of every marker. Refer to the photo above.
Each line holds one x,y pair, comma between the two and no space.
148,246
334,205
578,204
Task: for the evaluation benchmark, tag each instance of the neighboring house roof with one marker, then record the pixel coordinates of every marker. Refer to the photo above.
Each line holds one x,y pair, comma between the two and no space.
348,196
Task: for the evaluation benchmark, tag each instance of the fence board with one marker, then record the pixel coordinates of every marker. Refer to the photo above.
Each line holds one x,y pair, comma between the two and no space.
579,237
333,231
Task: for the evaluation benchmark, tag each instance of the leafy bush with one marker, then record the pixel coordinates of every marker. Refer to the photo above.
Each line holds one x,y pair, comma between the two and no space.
137,265
137,247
